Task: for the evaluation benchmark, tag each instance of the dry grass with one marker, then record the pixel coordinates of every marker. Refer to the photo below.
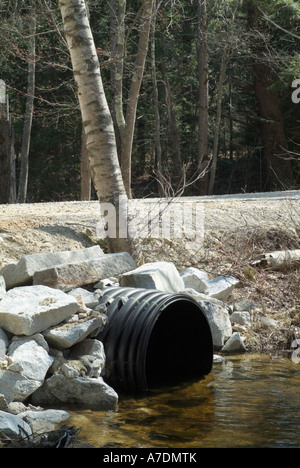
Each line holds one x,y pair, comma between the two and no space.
276,294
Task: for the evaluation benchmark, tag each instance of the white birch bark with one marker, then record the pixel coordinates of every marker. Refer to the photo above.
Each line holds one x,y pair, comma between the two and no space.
117,10
96,117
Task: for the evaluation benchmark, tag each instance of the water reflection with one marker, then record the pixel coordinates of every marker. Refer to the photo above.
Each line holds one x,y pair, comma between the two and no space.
247,401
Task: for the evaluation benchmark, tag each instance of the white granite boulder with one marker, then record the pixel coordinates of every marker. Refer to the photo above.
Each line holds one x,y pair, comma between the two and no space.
219,321
24,369
163,276
200,296
32,309
84,392
86,298
45,420
221,287
4,342
241,318
234,344
2,287
12,425
195,279
66,335
21,272
86,272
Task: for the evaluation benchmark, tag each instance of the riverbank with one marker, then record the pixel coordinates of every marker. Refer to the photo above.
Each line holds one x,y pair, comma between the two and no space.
235,230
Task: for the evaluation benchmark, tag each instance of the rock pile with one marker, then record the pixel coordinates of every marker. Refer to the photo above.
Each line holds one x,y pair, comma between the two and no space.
51,314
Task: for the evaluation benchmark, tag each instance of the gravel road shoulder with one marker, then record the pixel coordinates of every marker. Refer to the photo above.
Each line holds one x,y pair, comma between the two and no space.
68,225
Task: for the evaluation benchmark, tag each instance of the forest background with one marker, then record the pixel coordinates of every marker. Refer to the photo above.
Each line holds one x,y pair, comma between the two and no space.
218,108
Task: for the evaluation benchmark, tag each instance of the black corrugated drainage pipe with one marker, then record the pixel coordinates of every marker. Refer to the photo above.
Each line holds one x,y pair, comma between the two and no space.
153,339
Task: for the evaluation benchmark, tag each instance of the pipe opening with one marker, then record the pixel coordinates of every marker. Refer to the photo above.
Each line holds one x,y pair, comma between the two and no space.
179,347
154,339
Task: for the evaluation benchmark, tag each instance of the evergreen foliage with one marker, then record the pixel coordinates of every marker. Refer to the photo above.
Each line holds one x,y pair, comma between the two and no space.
261,33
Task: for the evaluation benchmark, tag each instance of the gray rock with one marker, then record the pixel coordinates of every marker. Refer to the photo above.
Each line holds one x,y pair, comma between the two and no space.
242,318
221,287
4,342
37,337
201,297
218,288
14,387
68,370
163,276
70,276
217,359
85,366
106,282
243,306
45,420
11,425
66,335
21,273
90,347
2,287
195,279
16,407
31,309
84,392
267,322
32,357
234,344
28,365
239,328
93,365
3,403
89,299
219,321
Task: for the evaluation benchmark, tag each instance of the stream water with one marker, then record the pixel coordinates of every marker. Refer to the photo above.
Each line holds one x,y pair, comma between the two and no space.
247,401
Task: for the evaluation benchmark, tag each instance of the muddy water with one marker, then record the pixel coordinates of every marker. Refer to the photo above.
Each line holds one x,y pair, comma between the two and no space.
247,401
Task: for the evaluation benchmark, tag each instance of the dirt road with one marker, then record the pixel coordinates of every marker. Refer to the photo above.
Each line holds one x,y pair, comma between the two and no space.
221,212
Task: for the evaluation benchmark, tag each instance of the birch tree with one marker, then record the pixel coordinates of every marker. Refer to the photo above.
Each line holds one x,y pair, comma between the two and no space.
117,11
96,117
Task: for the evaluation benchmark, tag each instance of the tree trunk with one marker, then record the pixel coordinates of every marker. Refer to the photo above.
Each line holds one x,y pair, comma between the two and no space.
174,134
158,159
226,57
85,173
134,91
7,163
269,107
212,177
203,158
117,10
23,181
97,121
272,128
